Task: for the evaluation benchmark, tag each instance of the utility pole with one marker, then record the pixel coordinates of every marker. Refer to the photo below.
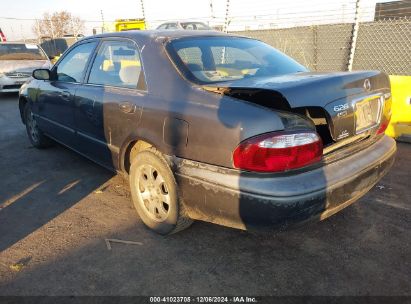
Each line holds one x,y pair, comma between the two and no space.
227,9
354,35
102,19
143,12
142,9
38,33
212,9
51,29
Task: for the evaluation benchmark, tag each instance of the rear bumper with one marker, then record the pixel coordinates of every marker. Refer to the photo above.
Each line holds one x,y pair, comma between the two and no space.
247,200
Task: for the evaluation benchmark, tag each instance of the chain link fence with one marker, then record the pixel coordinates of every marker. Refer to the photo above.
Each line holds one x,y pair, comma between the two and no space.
381,45
384,45
319,47
319,34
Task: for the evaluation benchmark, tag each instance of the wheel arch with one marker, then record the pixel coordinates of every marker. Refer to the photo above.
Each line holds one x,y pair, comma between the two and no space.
131,149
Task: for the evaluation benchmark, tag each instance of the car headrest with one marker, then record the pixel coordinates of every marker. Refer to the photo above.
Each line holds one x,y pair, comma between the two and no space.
129,74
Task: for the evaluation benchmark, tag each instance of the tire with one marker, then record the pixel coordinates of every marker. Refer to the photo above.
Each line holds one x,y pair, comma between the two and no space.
36,136
154,192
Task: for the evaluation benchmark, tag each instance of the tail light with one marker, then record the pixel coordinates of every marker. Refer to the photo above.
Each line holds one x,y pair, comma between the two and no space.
384,124
278,151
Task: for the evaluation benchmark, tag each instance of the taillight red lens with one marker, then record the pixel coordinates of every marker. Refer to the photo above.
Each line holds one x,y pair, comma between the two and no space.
278,151
384,124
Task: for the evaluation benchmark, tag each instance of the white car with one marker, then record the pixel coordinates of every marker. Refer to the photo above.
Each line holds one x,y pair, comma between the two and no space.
17,62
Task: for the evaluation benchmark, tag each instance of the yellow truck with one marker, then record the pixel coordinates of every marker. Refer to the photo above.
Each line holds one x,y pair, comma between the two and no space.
129,24
400,125
125,25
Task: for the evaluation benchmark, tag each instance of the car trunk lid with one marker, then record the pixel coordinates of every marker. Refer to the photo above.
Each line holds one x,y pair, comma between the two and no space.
353,102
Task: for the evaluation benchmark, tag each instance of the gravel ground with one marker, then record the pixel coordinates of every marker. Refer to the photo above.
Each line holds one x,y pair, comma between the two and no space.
57,209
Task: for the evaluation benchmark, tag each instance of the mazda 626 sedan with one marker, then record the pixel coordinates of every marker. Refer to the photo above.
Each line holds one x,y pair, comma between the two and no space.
214,127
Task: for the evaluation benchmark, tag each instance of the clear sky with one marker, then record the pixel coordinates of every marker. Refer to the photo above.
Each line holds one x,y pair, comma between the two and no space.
254,12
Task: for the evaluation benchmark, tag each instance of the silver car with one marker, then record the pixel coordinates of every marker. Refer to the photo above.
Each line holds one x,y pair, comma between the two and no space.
184,25
17,62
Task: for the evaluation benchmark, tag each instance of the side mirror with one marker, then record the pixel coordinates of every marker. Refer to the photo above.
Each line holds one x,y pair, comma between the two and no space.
41,74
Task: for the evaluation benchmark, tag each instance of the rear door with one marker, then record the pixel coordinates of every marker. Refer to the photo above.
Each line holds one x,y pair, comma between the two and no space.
56,96
109,104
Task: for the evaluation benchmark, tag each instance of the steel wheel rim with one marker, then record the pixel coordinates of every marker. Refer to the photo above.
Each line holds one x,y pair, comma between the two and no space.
154,196
32,124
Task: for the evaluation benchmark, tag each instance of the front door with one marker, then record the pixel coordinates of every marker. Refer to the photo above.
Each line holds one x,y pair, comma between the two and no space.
56,96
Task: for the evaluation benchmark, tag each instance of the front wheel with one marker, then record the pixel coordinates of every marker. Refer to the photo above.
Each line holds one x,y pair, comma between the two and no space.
155,194
36,136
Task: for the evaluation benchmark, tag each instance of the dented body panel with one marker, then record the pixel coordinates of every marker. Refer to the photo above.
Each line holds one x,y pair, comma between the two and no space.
336,93
249,201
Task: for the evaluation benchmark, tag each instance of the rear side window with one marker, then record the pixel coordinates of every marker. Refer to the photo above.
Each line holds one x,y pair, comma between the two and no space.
72,67
191,56
117,64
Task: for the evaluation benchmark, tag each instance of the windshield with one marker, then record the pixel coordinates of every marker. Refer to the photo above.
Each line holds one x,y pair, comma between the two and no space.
215,59
20,51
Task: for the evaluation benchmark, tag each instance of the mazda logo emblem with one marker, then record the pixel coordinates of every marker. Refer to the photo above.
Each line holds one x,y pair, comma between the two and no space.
367,85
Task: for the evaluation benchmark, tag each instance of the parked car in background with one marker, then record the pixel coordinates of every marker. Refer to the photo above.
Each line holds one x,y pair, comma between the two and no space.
17,62
183,25
214,127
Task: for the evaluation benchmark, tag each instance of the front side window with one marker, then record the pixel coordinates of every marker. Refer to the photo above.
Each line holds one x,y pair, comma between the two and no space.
215,59
172,26
117,64
72,67
194,26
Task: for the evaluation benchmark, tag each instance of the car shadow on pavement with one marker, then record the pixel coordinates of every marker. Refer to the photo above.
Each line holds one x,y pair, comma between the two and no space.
36,194
345,255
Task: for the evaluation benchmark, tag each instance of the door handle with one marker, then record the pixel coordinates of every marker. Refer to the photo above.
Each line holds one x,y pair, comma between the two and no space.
127,107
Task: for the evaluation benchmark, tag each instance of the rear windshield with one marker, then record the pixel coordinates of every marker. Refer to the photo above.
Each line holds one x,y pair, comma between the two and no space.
215,59
20,51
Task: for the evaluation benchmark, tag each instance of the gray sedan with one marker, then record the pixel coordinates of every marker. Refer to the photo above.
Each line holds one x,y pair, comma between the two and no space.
214,127
17,62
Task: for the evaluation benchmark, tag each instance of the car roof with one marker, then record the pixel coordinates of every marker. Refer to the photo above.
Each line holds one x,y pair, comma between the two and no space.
165,34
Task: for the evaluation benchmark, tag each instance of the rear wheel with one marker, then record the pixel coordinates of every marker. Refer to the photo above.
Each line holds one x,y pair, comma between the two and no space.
36,136
155,194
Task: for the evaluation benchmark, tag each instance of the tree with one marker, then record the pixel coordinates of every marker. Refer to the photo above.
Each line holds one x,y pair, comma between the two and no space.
57,25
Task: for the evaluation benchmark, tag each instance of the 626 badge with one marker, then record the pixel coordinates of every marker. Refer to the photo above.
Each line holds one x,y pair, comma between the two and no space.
341,107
